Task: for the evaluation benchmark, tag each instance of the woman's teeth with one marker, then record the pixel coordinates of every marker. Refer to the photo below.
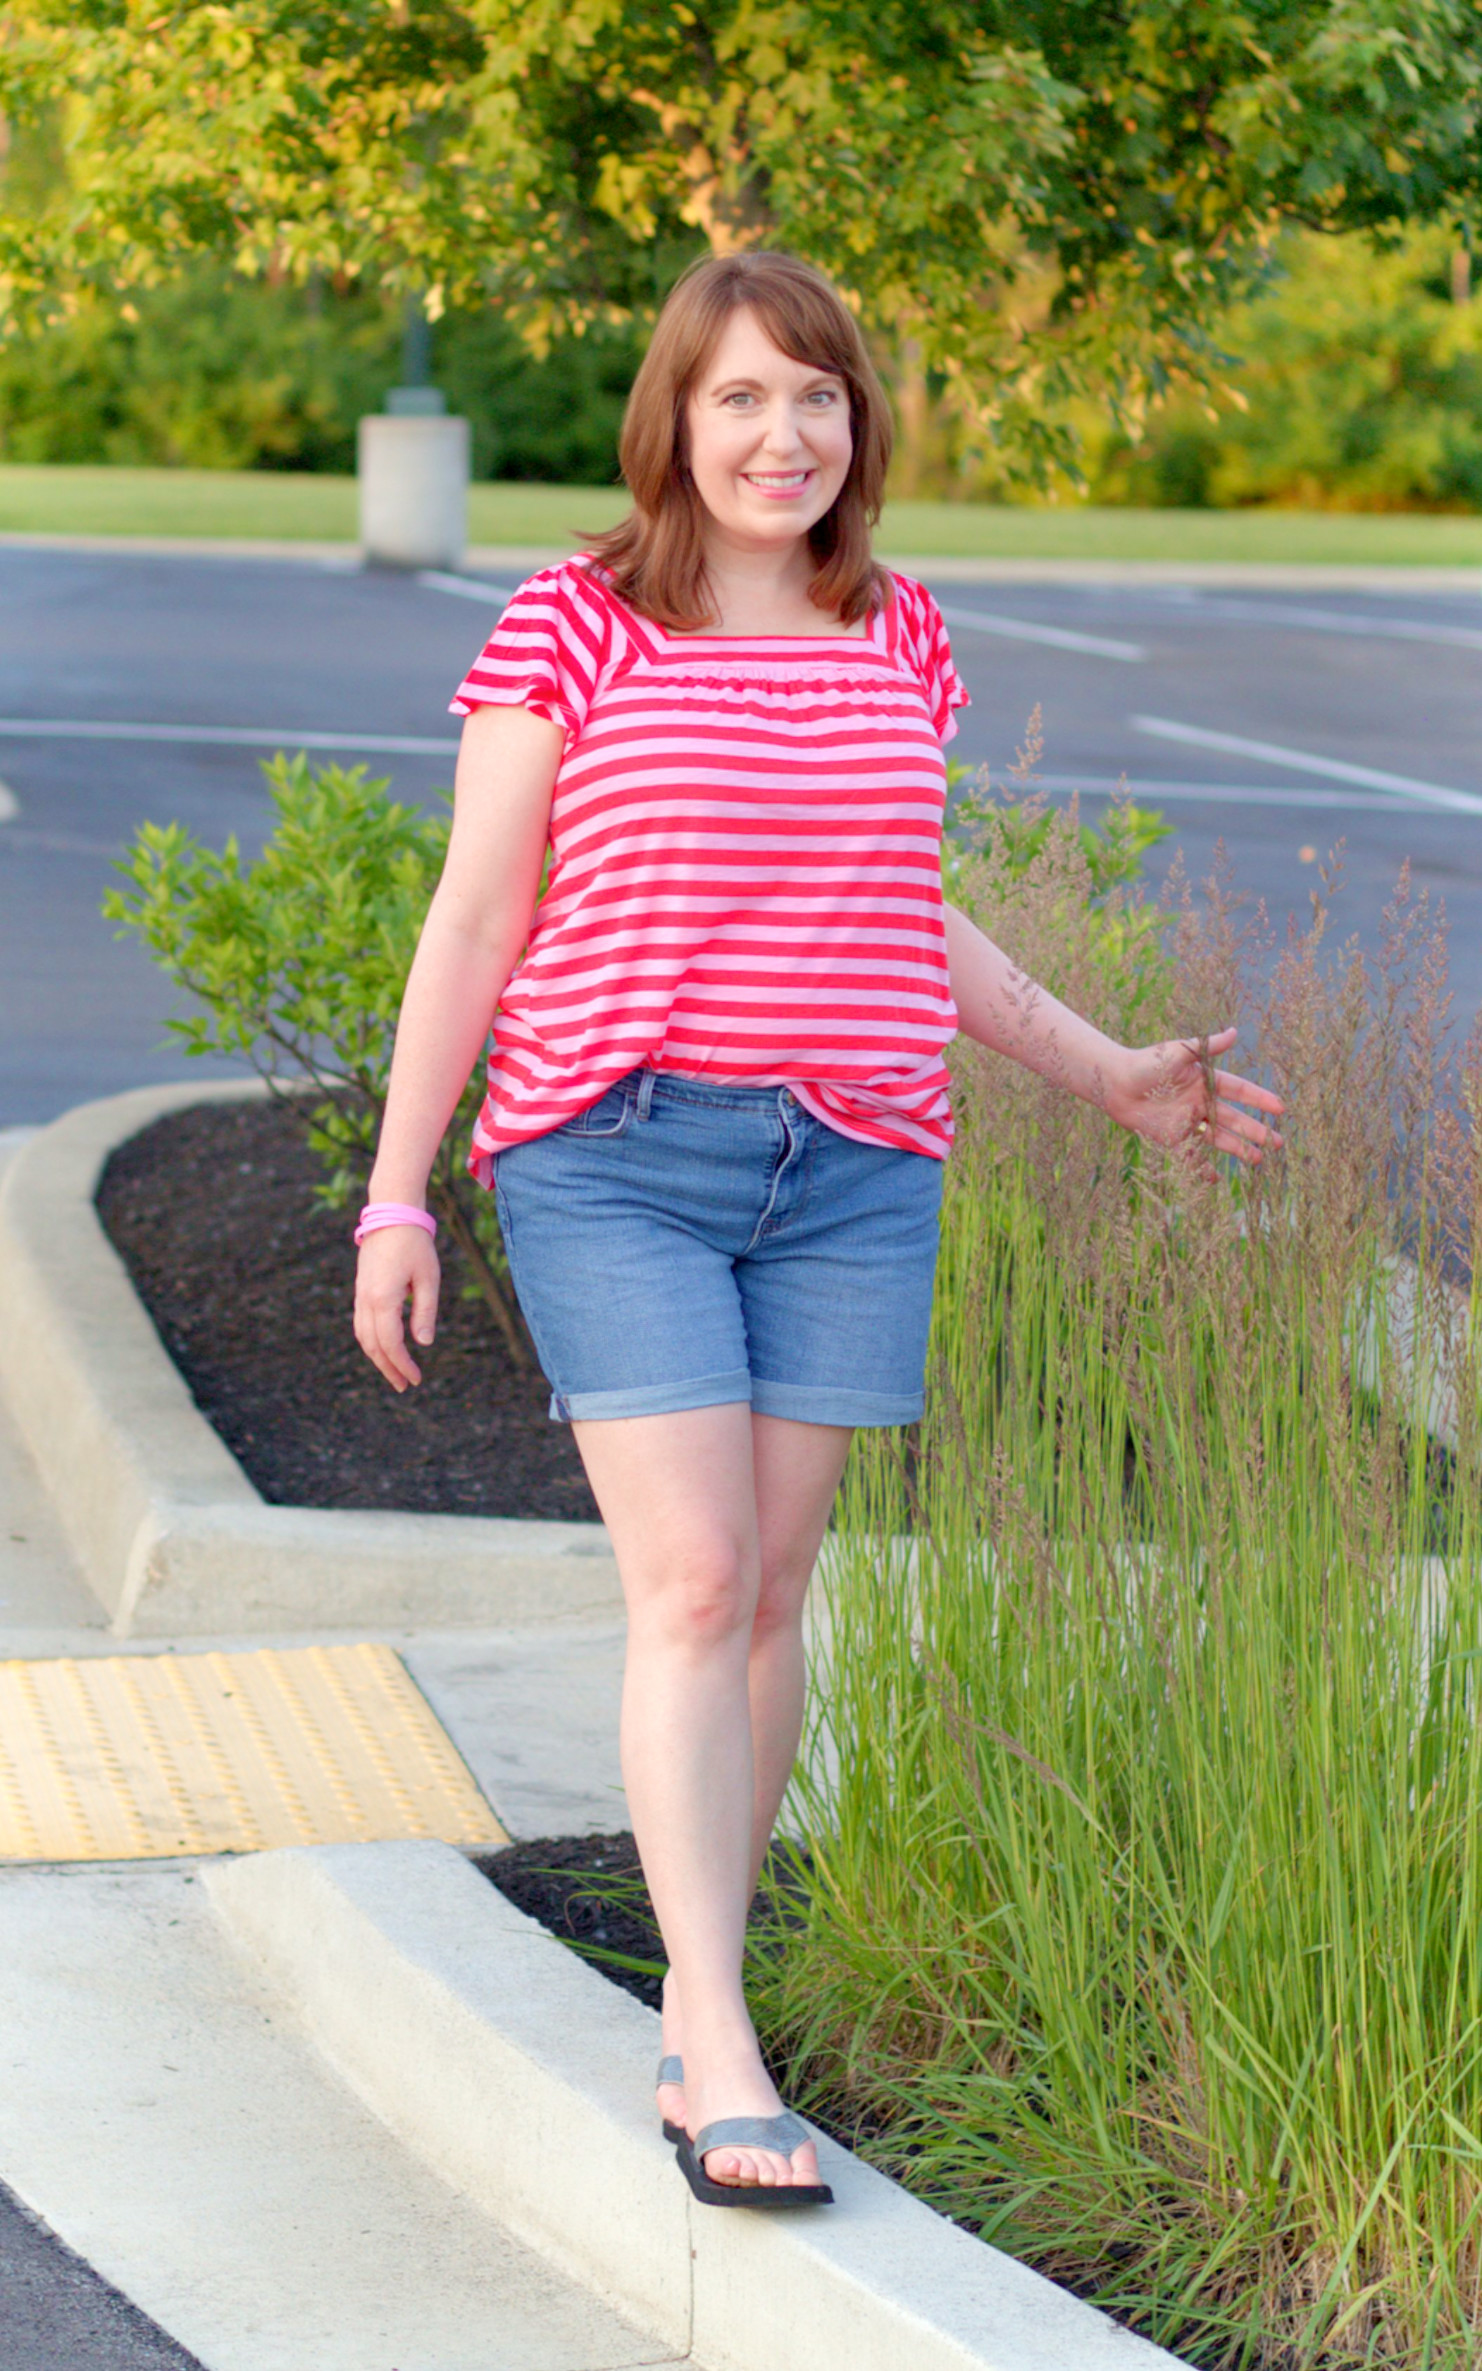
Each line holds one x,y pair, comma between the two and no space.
784,483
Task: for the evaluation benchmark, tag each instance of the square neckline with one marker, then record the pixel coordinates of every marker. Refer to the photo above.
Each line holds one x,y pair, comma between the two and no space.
881,632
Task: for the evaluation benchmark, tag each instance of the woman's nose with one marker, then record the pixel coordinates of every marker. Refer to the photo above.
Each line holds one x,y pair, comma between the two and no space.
783,430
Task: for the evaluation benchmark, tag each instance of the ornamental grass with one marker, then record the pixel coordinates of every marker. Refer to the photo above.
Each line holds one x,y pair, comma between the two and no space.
1142,1924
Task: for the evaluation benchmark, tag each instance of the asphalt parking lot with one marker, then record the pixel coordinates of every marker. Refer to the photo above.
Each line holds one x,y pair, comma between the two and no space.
138,685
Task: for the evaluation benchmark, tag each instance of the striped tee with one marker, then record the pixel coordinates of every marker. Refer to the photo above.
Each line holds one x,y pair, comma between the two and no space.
745,864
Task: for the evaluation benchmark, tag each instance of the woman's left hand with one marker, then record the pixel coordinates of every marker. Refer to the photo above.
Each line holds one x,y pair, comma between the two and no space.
1174,1095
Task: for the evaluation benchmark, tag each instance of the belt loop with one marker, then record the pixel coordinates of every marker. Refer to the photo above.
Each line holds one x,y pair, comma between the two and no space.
646,1093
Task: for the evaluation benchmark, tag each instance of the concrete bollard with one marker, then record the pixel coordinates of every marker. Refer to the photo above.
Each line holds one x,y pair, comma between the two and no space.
413,475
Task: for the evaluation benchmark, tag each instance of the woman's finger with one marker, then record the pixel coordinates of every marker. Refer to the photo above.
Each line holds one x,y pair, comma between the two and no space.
424,1303
1245,1090
1229,1117
391,1354
378,1330
1225,1140
373,1337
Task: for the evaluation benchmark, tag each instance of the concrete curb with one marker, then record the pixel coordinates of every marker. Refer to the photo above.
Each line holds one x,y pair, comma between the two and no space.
525,2080
1255,575
315,553
170,1534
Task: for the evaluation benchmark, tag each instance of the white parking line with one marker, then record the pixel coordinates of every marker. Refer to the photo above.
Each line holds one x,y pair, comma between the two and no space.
231,736
60,843
1018,629
1332,621
468,588
1270,753
1145,793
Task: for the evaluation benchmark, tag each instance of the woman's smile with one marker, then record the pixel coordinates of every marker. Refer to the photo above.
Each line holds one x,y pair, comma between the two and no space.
780,484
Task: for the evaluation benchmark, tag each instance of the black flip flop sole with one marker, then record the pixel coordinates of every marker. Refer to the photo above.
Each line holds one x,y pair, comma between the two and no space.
673,2133
757,2194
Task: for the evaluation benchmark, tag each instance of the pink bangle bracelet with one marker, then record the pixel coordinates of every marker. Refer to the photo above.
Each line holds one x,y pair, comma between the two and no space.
393,1214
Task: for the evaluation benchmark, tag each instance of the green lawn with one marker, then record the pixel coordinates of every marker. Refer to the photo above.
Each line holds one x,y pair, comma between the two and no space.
261,503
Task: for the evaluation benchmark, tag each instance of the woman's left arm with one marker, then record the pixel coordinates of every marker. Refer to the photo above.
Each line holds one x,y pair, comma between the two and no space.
1171,1092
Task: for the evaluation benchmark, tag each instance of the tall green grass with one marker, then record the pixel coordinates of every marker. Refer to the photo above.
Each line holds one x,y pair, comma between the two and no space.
1144,1925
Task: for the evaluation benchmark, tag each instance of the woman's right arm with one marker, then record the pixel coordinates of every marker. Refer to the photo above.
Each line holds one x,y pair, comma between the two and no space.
476,927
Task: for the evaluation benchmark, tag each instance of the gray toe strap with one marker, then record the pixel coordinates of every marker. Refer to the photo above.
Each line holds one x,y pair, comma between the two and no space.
671,2070
781,2134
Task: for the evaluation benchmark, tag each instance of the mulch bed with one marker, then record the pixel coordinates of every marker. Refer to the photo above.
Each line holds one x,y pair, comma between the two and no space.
250,1283
589,1890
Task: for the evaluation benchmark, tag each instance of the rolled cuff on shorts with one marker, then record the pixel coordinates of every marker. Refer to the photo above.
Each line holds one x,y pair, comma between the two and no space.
652,1399
823,1403
803,1403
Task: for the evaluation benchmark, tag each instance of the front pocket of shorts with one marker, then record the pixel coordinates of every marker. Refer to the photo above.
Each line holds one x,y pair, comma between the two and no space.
608,1116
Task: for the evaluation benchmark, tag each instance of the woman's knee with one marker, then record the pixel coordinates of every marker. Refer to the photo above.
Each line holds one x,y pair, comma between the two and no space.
701,1595
780,1595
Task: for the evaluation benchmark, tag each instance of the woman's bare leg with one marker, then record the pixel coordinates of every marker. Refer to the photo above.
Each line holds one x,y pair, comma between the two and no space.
797,1468
680,1496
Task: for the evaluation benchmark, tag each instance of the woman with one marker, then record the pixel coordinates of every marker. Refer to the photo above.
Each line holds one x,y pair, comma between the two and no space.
717,1105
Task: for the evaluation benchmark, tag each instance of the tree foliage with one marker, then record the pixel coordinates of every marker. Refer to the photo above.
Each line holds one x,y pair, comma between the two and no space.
1041,198
1360,383
212,371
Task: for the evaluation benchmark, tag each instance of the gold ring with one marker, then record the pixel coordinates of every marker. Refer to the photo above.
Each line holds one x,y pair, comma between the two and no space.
1203,1128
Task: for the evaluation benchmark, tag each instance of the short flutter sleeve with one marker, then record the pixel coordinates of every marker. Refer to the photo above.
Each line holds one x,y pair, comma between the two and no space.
545,654
927,650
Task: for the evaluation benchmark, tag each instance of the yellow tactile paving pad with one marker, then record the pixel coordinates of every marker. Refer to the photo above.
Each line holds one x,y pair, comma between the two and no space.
130,1757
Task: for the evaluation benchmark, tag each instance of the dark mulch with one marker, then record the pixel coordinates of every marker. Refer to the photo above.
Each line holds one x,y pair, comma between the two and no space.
589,1890
250,1283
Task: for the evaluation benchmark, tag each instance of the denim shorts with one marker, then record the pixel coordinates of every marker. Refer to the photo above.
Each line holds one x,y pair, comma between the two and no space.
679,1244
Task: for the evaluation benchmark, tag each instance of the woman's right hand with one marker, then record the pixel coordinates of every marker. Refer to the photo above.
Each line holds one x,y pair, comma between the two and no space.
397,1265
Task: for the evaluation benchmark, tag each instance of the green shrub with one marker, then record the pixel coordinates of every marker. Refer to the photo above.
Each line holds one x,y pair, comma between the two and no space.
298,962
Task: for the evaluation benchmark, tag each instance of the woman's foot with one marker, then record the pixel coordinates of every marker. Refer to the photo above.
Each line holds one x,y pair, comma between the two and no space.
671,2095
735,2083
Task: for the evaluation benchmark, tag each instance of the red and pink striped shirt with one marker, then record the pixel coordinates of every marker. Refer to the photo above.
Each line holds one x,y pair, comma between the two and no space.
745,863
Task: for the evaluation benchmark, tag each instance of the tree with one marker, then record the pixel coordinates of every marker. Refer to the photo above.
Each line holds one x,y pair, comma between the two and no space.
1041,199
1361,375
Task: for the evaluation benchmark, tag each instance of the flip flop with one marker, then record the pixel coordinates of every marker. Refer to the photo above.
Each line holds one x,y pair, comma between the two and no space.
782,2133
671,2070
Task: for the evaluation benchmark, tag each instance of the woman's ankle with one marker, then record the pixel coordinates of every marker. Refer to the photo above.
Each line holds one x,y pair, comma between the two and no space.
723,2044
670,2012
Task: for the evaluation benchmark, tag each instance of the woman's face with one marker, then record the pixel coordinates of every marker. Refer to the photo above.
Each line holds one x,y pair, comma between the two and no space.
769,438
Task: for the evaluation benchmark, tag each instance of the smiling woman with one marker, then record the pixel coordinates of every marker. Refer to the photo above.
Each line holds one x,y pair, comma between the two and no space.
717,1104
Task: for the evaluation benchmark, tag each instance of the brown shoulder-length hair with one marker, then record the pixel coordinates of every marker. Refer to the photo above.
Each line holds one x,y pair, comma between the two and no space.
655,560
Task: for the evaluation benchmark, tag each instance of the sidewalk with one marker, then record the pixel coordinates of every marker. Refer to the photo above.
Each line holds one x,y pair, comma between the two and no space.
164,2118
169,2124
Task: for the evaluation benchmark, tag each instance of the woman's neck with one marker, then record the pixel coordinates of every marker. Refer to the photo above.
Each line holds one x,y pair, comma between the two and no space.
764,591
